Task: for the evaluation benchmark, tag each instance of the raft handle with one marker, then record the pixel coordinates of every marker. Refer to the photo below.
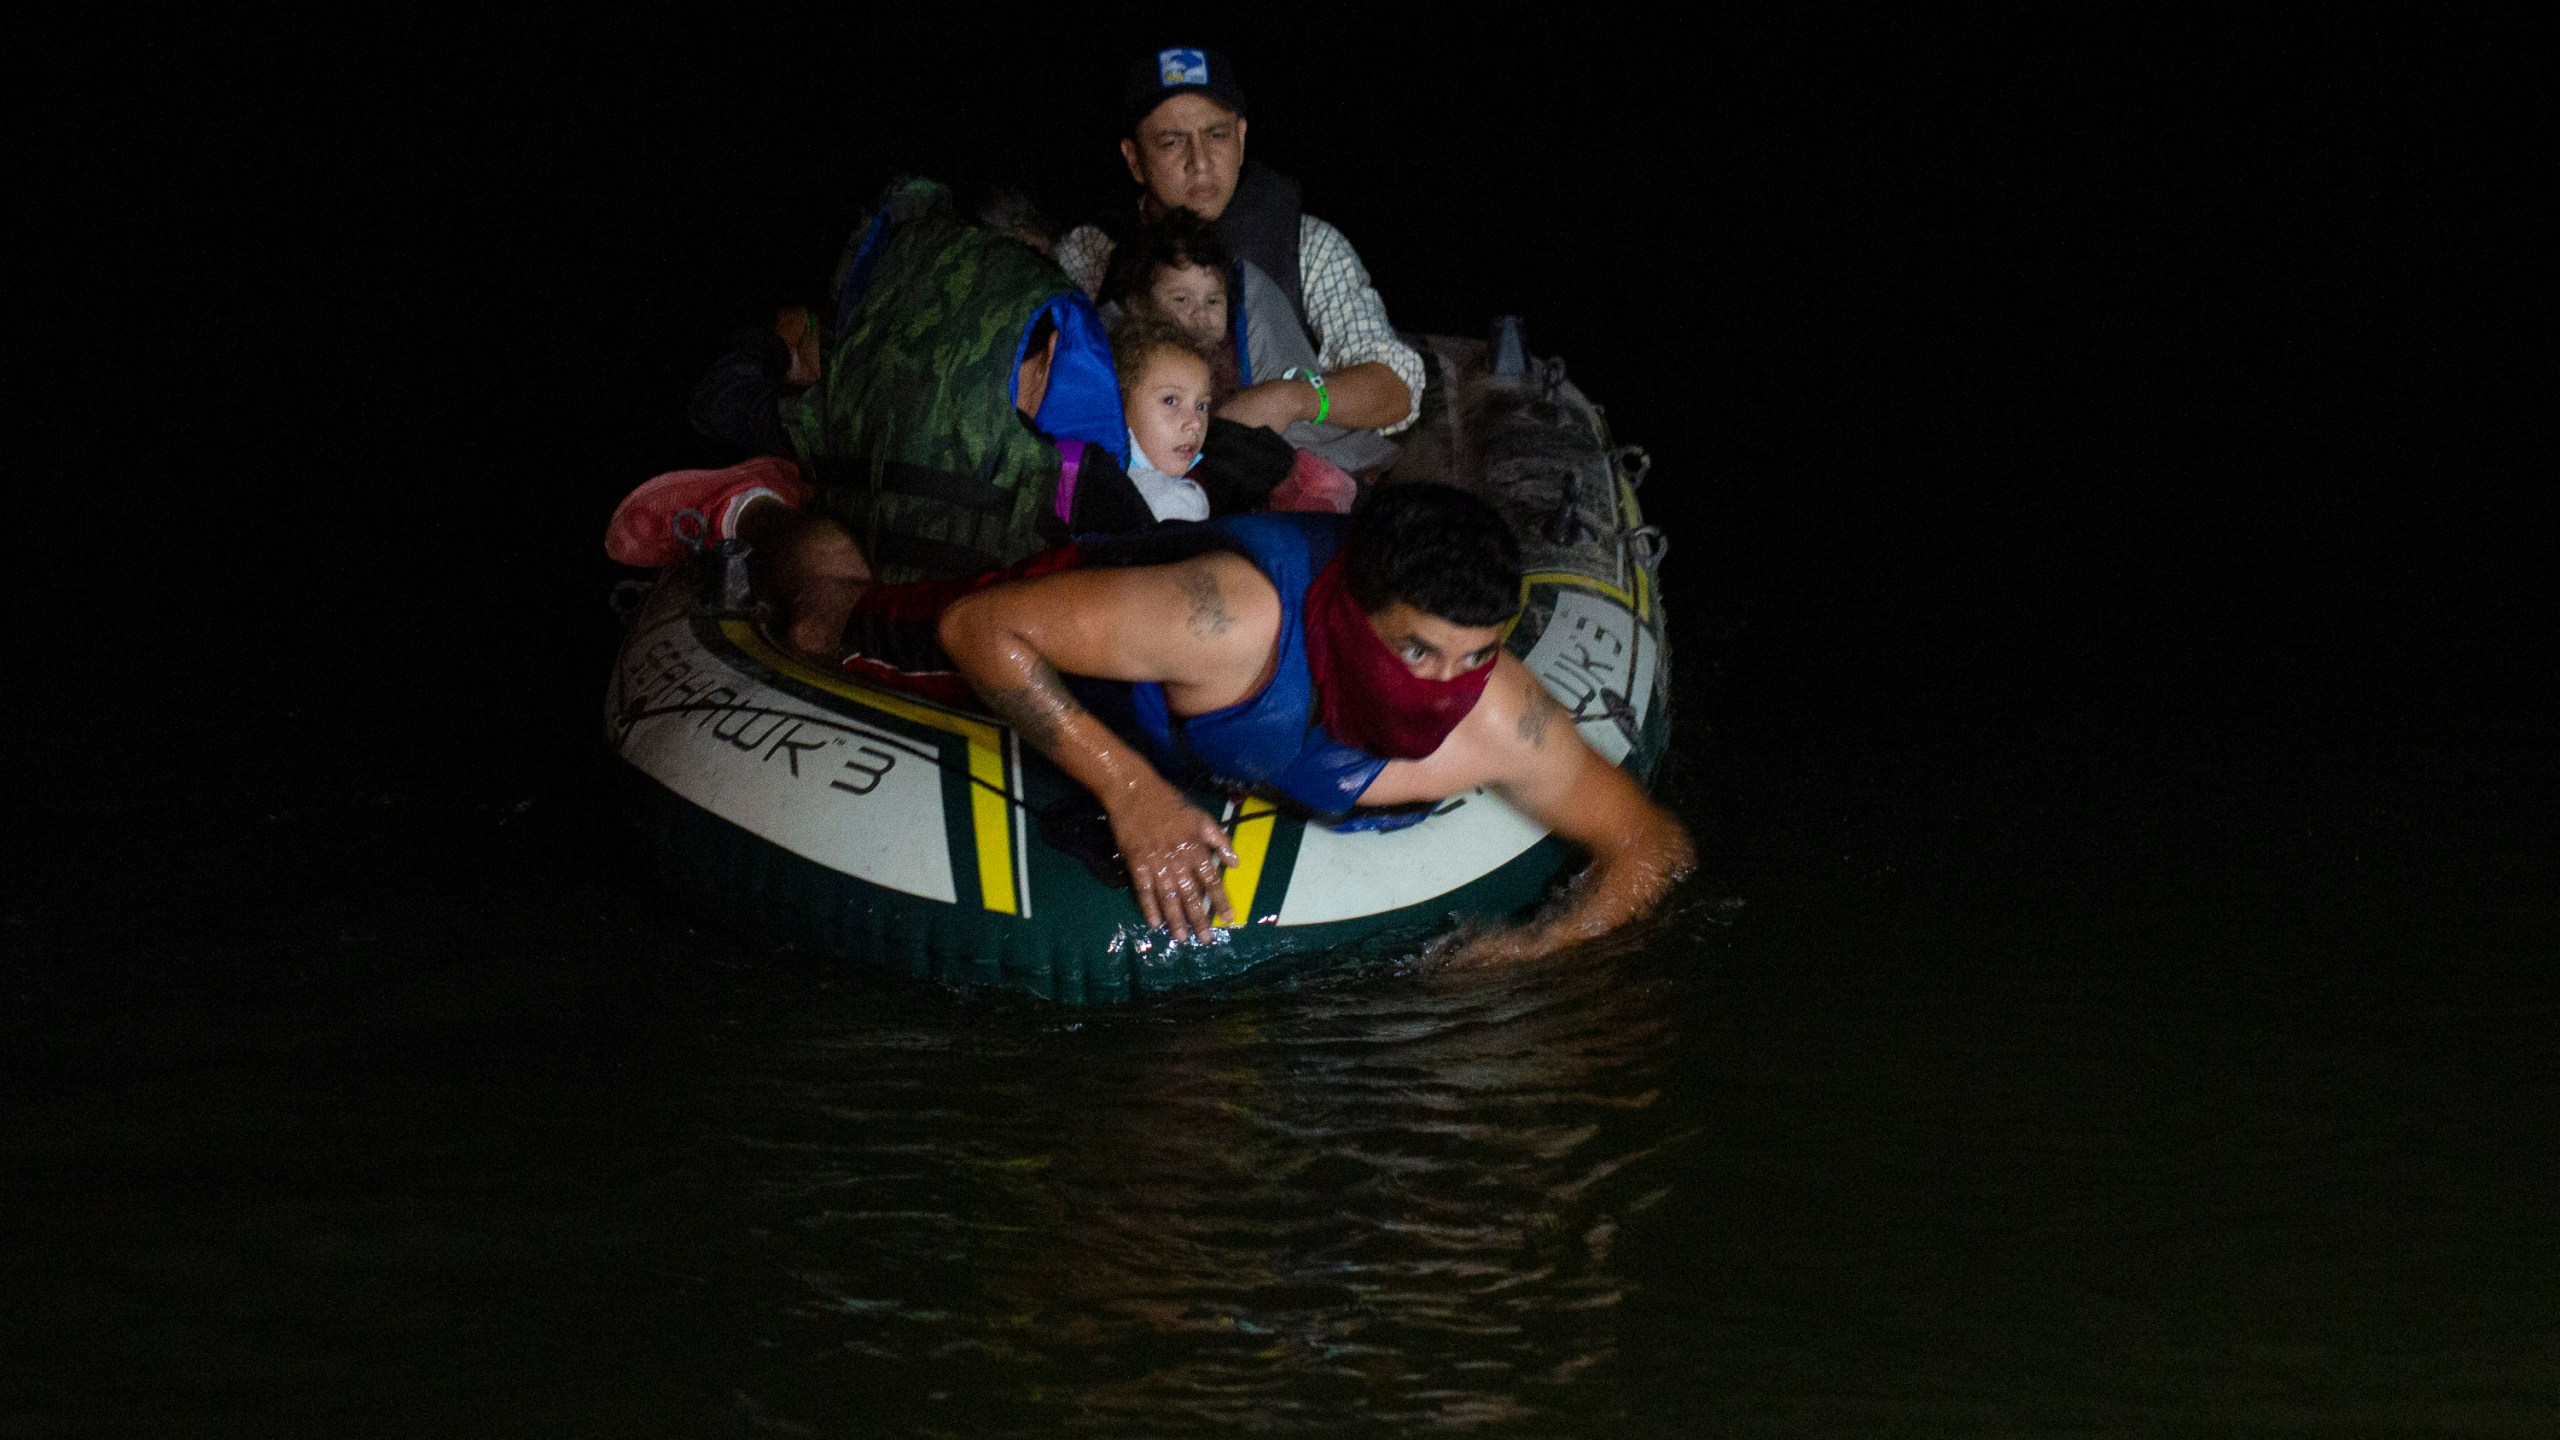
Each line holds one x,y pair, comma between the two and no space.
1554,377
1632,464
1648,545
625,599
1566,526
727,589
1510,351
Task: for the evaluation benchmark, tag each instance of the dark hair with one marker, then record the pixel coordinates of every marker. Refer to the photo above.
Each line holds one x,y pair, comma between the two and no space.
1436,548
1001,203
1141,333
1177,238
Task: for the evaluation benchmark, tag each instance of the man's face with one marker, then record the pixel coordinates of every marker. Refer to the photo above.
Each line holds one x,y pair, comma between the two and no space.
1187,154
1433,648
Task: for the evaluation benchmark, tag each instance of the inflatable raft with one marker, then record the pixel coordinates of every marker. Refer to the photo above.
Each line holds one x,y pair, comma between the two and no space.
889,830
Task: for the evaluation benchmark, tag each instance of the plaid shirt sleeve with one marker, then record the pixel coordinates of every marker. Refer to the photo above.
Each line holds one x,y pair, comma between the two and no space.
1349,319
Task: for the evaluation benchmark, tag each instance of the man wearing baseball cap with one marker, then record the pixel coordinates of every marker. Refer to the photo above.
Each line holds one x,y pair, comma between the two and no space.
1183,118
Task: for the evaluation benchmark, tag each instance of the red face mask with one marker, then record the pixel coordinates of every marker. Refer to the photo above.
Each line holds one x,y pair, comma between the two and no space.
1368,699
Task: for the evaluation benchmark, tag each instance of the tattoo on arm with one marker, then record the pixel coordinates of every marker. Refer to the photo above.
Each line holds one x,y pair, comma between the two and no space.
1536,715
1208,607
1036,711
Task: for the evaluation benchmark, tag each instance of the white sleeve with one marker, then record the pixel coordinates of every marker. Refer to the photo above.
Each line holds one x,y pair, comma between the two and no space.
1344,310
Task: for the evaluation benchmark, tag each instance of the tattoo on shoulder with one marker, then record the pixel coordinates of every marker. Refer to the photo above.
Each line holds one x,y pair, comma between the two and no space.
1035,711
1208,605
1535,716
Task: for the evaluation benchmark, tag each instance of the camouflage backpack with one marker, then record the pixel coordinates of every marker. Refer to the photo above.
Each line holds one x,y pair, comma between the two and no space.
911,432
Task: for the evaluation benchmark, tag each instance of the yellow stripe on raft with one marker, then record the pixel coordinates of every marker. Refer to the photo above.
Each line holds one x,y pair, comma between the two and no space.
1249,830
1640,602
990,802
991,808
1578,581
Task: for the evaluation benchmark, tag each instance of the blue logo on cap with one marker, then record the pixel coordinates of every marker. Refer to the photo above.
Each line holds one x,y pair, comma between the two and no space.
1183,67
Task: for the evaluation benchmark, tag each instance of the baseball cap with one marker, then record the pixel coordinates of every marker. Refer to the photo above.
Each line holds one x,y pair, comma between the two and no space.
1163,74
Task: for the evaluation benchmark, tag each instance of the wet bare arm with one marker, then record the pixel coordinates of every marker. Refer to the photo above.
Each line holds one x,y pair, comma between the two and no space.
1525,745
1040,709
1190,627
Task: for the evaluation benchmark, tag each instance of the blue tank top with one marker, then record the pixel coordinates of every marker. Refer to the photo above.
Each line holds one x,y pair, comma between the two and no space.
1270,740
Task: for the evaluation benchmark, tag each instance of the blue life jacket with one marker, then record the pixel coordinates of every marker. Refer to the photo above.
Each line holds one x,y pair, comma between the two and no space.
1270,740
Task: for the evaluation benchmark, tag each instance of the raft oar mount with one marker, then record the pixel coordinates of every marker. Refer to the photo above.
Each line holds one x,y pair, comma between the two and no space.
1510,350
727,589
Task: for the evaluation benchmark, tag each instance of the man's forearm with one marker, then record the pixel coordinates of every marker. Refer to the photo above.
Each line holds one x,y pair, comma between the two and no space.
1366,396
1624,883
1026,692
1173,852
1356,397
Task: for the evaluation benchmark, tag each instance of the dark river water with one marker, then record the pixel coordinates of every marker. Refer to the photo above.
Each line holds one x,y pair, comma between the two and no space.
2114,703
1997,1075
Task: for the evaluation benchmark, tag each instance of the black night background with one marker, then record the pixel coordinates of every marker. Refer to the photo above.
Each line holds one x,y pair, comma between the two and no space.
2115,681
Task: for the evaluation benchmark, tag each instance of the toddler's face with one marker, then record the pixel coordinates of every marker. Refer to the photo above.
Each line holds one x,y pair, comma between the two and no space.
1169,409
1195,297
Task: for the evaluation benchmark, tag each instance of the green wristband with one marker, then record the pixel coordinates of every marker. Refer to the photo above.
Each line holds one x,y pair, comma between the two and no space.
1324,398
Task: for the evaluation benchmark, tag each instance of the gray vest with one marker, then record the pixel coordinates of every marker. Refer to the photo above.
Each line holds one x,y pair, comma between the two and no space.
1274,341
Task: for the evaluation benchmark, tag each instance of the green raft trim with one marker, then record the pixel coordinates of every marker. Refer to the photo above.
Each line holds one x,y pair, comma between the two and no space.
765,890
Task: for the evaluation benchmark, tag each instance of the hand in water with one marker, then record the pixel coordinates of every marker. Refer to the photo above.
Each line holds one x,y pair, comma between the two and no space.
1176,858
1502,947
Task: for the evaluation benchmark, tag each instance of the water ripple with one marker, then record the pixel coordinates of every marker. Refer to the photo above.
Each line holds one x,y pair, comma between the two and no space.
1391,1199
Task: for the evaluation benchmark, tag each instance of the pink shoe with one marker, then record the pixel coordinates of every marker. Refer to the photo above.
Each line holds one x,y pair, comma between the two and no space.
1315,485
645,529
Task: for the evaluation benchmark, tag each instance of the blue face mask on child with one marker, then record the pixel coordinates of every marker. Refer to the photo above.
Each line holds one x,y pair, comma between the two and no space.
1168,497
